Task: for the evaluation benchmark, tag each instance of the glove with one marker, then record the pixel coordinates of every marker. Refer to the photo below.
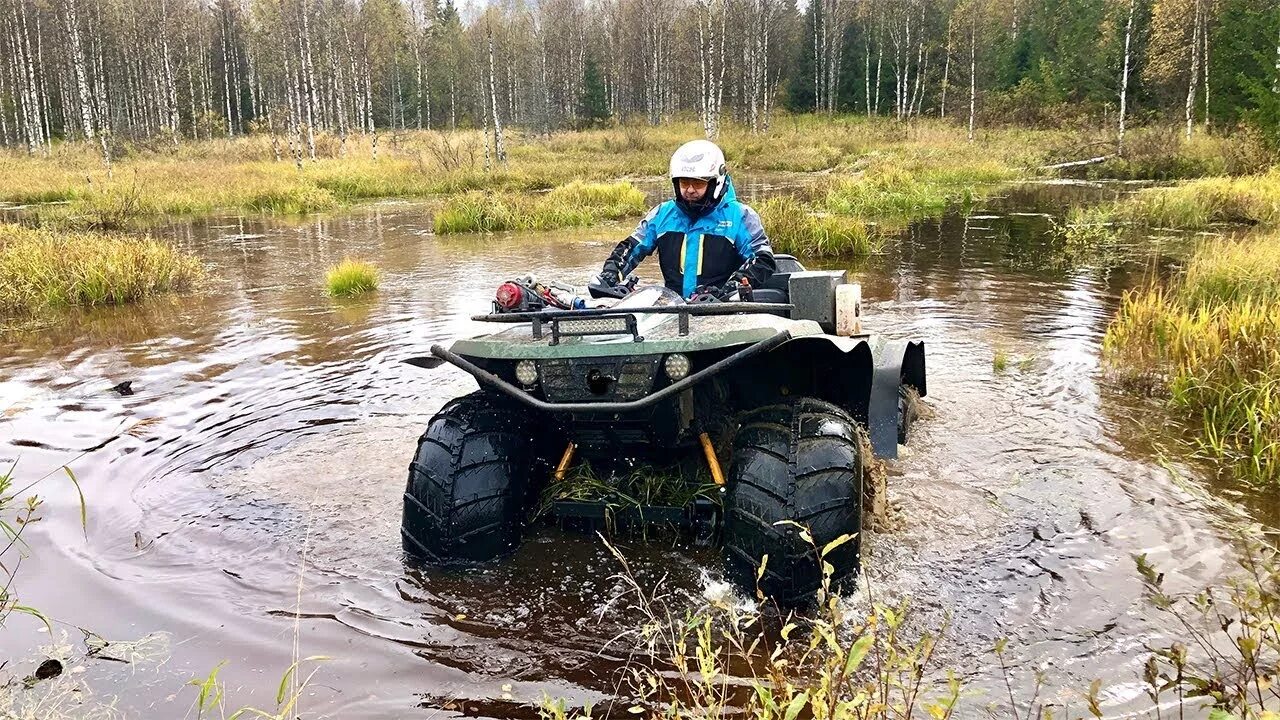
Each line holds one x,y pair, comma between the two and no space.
611,274
713,293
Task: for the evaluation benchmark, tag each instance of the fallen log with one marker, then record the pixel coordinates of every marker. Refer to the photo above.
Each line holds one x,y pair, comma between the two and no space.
1077,163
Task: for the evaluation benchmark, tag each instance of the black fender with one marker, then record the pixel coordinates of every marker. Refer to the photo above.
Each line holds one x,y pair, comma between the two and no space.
835,369
898,364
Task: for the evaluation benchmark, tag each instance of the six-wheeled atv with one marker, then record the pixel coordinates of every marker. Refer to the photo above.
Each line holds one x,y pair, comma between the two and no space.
797,407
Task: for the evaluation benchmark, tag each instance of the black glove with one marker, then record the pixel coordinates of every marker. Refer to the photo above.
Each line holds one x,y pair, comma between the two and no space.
713,293
611,274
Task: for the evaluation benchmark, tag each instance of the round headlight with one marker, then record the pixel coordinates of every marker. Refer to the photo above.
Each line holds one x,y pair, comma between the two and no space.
527,372
676,366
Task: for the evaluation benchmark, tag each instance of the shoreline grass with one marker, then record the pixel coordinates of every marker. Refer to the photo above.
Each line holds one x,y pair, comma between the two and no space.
576,204
799,229
1194,205
350,278
42,269
1210,342
875,172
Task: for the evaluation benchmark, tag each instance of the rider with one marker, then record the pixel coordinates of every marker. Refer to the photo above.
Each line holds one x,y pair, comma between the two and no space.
709,244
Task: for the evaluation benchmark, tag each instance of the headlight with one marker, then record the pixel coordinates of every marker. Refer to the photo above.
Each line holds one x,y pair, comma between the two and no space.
676,366
527,373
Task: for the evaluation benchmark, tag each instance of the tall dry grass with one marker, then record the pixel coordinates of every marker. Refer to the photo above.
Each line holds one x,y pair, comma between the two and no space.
1210,342
1249,200
575,204
42,268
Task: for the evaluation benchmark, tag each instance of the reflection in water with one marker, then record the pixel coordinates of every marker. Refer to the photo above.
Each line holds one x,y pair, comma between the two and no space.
249,491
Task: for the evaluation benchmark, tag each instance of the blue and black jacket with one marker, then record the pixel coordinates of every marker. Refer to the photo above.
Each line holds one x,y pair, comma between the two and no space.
724,245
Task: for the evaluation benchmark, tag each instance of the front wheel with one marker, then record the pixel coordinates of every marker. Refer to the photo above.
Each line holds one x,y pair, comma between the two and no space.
468,481
801,461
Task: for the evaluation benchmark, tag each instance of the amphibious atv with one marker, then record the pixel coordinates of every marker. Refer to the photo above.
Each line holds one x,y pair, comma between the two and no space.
796,407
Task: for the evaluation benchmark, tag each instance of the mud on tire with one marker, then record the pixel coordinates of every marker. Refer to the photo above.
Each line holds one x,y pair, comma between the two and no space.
468,481
800,461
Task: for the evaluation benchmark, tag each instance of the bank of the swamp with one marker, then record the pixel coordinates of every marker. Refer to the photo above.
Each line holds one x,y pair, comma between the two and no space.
42,269
1209,342
1193,205
72,187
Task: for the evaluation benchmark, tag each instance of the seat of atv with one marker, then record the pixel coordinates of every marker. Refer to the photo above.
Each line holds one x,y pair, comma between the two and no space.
775,288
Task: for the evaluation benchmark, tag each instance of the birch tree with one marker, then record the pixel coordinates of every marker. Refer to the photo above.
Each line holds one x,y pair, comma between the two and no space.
1124,77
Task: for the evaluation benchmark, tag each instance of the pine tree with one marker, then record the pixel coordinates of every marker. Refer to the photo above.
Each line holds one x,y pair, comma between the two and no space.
593,104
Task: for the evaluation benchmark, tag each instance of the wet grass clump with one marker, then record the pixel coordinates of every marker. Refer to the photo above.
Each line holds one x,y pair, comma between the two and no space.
350,278
916,186
1210,343
576,204
795,227
1249,200
635,488
43,269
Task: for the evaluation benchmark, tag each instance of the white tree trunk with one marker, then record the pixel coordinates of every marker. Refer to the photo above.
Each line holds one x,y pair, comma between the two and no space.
226,73
46,130
72,21
1195,70
879,67
946,70
1124,78
1275,83
973,72
499,147
309,79
867,71
1205,35
168,81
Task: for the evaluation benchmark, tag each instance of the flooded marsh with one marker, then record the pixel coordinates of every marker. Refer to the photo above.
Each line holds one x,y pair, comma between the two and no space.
245,497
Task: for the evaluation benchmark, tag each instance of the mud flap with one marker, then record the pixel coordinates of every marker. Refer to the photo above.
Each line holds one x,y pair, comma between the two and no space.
898,363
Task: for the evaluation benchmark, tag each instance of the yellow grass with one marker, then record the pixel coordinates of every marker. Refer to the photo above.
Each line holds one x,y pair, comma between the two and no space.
573,205
350,278
1252,200
1211,342
42,268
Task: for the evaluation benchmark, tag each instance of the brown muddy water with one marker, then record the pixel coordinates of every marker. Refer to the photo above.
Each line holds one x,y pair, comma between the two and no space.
246,498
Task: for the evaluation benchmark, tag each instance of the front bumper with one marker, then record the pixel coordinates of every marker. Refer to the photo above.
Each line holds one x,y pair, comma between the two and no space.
486,378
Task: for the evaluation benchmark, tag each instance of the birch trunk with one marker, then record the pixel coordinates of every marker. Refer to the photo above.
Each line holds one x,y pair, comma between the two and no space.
499,147
309,79
946,70
72,21
417,59
1124,78
35,123
1195,70
817,57
879,66
46,130
973,72
866,75
1205,35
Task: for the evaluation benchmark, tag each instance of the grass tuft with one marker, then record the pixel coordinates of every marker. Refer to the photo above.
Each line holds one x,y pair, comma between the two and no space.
1251,200
1210,341
796,228
576,204
41,269
350,278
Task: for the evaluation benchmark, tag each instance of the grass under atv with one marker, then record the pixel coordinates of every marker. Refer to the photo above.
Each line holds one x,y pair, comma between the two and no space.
643,486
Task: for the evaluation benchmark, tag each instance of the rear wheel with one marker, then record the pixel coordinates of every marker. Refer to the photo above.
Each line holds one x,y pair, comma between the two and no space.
469,481
802,461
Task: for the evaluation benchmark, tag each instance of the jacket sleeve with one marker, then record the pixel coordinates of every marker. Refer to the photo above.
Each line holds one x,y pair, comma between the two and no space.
636,247
753,245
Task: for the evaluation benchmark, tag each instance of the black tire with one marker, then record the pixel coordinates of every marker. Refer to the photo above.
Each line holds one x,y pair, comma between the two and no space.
468,482
801,461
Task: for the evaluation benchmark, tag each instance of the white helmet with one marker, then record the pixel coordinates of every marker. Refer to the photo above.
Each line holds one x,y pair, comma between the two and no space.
703,160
